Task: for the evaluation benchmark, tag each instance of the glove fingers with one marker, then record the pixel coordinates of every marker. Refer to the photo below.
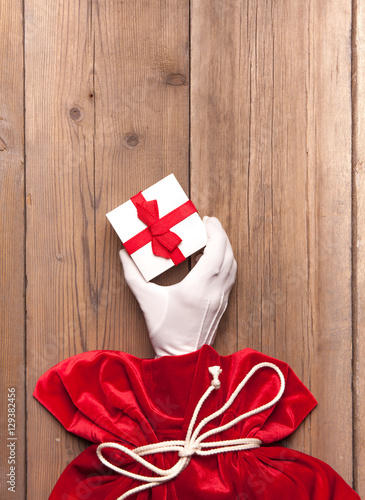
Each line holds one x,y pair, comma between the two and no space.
229,275
152,298
213,256
132,275
229,265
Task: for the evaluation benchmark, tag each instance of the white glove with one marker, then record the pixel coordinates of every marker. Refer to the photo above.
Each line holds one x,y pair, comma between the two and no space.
181,318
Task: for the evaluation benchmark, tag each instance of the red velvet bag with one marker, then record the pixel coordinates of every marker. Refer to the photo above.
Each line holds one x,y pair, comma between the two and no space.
113,397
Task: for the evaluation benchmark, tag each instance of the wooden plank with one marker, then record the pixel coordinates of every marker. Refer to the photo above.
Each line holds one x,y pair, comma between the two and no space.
113,119
142,135
12,230
329,227
271,157
216,181
358,85
60,246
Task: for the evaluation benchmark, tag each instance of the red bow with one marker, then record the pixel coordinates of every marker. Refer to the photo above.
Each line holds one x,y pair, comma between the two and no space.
164,242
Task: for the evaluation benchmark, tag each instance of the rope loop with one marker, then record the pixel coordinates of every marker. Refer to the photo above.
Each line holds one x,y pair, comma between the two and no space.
194,443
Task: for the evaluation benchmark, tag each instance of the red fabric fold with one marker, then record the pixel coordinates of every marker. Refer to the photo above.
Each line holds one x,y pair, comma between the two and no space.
112,396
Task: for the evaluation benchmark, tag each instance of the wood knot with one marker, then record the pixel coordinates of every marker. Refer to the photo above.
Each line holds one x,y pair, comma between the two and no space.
2,145
131,140
176,79
76,114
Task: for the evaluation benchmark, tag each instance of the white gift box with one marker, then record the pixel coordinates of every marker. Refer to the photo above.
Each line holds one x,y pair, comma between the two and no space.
176,216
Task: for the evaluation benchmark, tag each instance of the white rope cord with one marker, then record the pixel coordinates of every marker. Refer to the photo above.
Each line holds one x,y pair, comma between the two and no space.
193,443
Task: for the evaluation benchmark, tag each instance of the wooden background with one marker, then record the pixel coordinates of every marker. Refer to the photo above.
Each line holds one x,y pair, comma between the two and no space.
258,109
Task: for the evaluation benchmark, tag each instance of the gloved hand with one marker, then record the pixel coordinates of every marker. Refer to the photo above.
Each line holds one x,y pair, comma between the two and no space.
181,318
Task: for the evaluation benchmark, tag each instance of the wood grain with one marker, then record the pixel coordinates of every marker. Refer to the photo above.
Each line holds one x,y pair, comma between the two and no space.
259,110
60,243
358,86
12,230
142,135
271,163
107,115
329,227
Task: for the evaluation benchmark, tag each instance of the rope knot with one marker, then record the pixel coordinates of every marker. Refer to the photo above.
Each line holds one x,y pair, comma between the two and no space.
189,450
195,442
215,371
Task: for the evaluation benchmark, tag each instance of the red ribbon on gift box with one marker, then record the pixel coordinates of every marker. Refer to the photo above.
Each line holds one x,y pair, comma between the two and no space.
164,241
